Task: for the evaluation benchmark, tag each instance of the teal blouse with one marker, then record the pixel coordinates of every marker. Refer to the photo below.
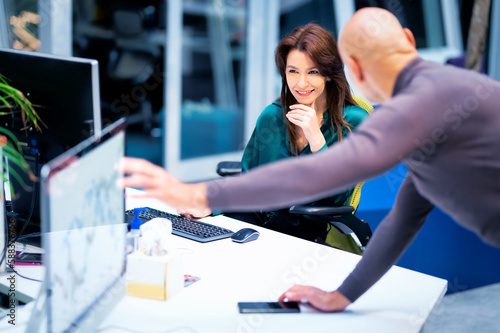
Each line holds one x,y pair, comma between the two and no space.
269,141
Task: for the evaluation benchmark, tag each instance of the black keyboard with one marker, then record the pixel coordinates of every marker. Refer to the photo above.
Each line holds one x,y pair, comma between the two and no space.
183,226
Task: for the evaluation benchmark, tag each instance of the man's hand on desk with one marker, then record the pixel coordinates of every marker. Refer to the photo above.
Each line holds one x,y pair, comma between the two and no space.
195,213
332,301
157,183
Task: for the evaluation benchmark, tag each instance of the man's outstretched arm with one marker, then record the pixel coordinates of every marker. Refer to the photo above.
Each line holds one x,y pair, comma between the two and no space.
391,238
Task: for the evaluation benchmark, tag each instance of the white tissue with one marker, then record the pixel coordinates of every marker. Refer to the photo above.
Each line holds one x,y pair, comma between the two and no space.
156,234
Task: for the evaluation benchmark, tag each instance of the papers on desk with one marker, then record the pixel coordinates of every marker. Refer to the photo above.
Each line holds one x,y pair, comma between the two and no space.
190,279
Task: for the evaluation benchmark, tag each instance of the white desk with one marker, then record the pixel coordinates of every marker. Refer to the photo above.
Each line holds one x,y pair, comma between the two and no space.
25,290
260,271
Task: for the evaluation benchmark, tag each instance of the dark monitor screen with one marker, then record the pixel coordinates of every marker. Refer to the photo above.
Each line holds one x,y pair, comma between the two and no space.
65,92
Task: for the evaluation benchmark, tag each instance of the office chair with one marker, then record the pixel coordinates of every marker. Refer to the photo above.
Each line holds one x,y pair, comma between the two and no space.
342,218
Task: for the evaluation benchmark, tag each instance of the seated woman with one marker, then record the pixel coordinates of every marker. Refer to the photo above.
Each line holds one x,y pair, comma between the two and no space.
315,110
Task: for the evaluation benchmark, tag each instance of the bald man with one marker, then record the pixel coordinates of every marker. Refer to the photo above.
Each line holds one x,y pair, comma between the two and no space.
441,122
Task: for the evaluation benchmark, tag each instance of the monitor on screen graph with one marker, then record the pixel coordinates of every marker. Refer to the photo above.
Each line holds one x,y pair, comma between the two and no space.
83,232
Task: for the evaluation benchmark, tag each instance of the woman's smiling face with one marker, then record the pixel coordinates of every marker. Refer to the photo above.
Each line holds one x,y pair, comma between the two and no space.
304,79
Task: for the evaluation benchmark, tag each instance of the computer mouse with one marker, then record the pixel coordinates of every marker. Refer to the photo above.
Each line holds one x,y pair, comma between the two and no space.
245,235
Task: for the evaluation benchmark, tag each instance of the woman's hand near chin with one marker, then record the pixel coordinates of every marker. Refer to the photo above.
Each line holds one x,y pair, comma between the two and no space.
305,117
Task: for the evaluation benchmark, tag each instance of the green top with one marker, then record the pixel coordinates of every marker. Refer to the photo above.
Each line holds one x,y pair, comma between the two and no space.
269,141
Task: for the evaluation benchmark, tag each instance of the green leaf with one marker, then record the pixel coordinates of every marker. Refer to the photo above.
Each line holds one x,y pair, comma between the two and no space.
7,92
11,139
13,101
13,173
14,156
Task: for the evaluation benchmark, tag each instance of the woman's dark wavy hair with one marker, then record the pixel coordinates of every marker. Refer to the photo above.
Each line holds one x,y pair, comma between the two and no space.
321,47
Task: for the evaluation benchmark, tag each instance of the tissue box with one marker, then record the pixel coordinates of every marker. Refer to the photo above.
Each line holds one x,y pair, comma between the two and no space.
154,277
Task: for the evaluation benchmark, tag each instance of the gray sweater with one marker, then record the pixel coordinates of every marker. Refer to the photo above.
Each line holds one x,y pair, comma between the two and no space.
443,123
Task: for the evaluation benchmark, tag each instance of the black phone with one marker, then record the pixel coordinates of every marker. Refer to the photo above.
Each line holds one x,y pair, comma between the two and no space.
268,307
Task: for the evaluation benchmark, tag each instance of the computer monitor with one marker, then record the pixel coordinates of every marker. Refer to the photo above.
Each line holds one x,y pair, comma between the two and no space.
83,232
65,91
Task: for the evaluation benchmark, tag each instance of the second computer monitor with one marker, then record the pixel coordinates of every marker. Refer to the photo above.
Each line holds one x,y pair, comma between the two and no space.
65,93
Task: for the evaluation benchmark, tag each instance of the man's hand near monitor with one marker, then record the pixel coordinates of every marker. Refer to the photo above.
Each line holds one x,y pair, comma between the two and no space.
157,183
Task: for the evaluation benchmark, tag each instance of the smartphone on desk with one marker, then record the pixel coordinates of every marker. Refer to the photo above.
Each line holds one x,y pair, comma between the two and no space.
268,307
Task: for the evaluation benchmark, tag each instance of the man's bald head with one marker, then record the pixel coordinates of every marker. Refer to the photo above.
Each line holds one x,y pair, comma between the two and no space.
375,48
374,33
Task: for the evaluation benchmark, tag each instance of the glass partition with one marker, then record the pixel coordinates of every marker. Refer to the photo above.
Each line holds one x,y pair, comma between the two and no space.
213,72
302,12
219,77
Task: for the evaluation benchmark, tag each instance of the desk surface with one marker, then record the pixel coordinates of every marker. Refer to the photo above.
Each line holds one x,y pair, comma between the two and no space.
260,271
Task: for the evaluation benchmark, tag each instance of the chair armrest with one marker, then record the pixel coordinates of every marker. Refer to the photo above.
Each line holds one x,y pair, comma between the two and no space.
341,218
321,210
229,168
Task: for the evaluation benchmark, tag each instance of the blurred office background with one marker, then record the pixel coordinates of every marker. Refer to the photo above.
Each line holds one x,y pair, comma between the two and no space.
193,76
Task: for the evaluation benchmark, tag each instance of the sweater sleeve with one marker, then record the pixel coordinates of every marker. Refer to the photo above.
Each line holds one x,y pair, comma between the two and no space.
365,153
390,240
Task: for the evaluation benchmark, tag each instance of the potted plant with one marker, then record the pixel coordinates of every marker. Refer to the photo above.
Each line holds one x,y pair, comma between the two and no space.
13,101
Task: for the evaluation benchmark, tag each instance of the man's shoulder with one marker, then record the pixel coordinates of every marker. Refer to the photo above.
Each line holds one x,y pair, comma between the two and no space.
438,83
445,75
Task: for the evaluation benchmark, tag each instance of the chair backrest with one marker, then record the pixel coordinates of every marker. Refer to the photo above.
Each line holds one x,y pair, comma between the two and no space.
356,194
128,22
134,55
